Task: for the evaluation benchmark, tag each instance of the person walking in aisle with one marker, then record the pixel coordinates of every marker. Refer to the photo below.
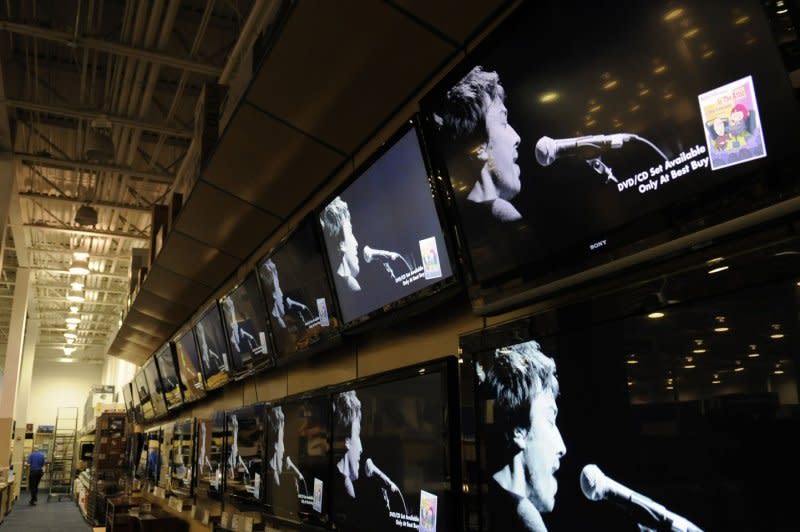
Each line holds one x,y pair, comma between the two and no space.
36,461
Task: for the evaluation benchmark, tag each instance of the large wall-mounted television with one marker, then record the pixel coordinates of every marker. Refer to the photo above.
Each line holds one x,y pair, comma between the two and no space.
246,326
138,415
164,472
210,462
298,459
143,391
170,383
295,283
244,454
181,458
212,347
396,453
383,233
645,133
148,467
189,368
157,399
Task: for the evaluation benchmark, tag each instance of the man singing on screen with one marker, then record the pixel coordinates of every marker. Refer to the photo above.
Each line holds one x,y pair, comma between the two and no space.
526,446
474,118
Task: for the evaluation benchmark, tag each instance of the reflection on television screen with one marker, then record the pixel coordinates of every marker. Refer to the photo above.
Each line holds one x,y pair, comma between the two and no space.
181,455
157,400
140,383
244,453
169,377
246,326
296,289
210,461
382,233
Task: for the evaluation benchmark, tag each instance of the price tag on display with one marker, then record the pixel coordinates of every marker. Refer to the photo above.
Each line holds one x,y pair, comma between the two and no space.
235,522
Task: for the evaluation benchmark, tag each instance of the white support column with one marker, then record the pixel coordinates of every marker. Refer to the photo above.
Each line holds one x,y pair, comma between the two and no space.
16,336
23,399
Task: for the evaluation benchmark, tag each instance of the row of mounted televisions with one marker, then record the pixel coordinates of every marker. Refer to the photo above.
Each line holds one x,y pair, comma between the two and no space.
524,173
380,453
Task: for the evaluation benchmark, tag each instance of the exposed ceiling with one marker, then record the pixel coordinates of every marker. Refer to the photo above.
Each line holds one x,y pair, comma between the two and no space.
333,74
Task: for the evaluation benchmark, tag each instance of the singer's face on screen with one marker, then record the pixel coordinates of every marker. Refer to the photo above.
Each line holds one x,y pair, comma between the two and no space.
501,150
543,448
349,248
279,449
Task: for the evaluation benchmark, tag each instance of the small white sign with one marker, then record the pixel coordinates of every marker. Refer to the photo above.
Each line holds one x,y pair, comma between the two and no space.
317,505
430,258
322,310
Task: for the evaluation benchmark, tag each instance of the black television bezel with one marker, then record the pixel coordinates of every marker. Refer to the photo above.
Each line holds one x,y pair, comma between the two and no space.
449,366
152,361
211,307
169,348
245,503
188,329
323,394
334,336
676,232
145,417
239,370
431,295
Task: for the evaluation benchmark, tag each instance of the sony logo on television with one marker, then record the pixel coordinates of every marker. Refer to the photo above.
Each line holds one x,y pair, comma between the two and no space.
598,244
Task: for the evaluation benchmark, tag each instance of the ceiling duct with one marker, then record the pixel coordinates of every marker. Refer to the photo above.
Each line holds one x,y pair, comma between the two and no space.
86,215
99,146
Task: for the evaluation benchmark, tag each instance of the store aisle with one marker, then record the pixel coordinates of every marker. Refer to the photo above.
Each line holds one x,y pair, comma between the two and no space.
51,516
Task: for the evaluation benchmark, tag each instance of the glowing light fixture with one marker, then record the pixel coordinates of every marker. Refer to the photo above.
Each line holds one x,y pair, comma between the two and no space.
776,331
69,335
715,380
718,269
66,360
548,97
76,296
80,264
672,15
721,327
73,319
76,285
69,350
74,308
656,315
72,326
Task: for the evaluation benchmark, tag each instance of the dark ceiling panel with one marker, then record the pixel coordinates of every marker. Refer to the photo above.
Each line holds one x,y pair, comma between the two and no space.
137,321
341,68
174,287
162,309
457,19
224,221
269,164
196,260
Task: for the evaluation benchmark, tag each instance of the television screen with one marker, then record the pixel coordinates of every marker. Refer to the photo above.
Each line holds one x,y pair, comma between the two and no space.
127,396
395,452
165,359
136,402
181,458
298,459
295,285
382,233
210,444
147,470
246,326
213,348
150,371
189,367
244,453
133,450
563,156
140,383
163,456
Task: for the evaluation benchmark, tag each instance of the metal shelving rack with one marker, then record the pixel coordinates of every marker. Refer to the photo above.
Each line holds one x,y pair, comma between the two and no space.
62,458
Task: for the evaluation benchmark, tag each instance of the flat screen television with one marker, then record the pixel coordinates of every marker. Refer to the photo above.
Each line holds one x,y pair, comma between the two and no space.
246,326
296,288
383,235
189,368
150,370
148,468
210,461
163,456
703,423
396,454
645,133
212,347
140,384
133,451
244,454
127,397
170,384
298,459
181,458
138,415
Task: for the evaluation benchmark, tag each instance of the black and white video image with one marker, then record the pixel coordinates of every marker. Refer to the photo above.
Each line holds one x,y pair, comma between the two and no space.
213,348
244,452
181,453
383,234
189,367
555,146
389,455
246,325
210,461
298,458
169,377
295,284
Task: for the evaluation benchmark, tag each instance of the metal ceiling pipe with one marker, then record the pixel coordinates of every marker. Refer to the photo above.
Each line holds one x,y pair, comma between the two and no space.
255,21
